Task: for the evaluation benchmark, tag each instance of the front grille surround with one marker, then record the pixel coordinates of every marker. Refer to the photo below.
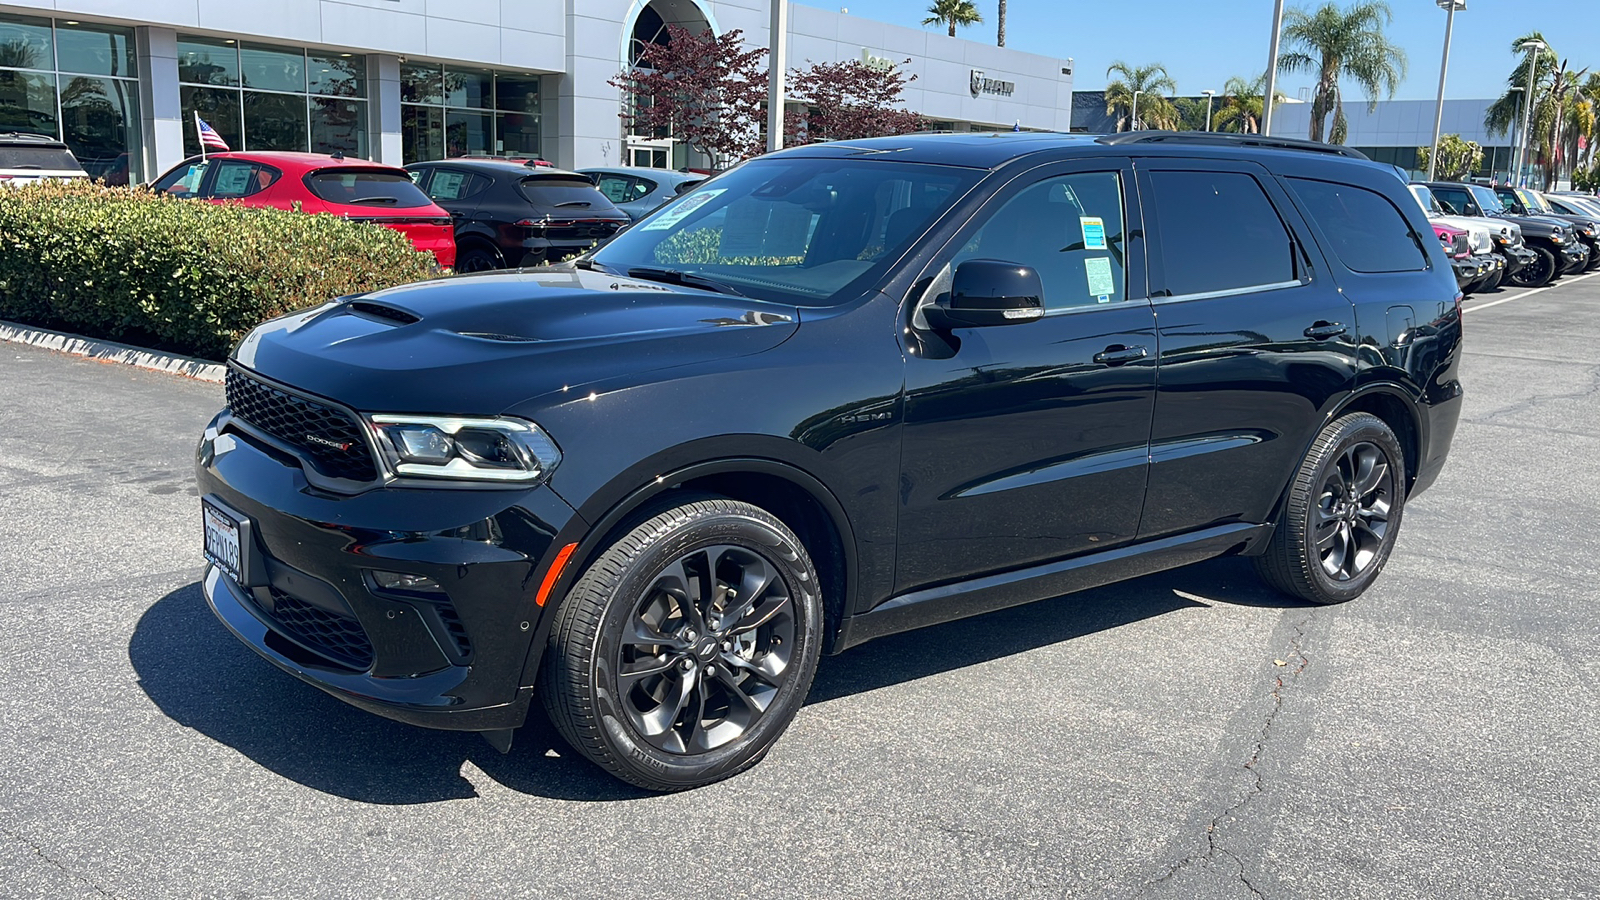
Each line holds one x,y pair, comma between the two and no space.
331,440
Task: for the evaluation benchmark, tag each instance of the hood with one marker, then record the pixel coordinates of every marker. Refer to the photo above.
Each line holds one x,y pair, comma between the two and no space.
1479,231
476,344
1538,226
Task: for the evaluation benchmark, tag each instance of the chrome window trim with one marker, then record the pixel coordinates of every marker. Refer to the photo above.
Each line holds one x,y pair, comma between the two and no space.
1231,292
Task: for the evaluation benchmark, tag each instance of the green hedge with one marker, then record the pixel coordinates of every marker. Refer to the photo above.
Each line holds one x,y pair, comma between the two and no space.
182,275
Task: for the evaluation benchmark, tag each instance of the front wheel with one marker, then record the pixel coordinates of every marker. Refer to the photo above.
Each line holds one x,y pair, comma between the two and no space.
687,647
1342,513
1537,273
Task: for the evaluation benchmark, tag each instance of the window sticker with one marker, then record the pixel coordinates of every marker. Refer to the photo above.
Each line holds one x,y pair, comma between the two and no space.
1094,232
1101,283
234,181
682,210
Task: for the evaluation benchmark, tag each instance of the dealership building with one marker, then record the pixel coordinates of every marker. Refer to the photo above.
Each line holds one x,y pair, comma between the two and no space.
406,80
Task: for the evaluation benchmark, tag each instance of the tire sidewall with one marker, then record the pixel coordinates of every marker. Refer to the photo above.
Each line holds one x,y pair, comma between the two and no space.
777,548
1362,429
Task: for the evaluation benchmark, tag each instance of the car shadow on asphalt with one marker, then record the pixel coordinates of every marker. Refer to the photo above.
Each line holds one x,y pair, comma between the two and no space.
204,679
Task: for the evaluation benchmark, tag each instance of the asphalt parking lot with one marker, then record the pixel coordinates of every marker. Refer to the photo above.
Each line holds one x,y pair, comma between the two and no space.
1188,735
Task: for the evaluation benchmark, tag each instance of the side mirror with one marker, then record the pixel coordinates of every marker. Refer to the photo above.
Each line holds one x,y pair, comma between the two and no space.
986,292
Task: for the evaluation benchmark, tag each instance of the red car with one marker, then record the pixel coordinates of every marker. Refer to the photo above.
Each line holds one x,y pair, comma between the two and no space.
354,188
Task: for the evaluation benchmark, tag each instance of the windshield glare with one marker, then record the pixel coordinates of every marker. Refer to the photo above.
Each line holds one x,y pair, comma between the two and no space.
1430,203
800,231
1534,201
1486,198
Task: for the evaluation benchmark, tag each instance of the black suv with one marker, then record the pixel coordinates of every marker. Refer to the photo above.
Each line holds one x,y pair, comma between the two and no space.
837,392
510,214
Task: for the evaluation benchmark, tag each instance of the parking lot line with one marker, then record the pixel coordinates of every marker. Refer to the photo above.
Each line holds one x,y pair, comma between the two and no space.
1528,293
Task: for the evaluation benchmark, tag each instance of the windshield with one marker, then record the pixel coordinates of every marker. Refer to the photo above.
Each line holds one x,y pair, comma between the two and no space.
1430,204
572,193
1533,201
1486,199
800,231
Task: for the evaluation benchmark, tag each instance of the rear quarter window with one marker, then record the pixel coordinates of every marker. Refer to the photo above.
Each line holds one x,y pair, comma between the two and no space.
1365,230
380,190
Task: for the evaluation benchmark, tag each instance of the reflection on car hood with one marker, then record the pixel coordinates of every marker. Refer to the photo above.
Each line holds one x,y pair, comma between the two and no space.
474,345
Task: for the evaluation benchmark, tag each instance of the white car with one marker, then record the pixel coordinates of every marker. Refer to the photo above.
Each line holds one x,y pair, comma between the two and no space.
26,158
1481,234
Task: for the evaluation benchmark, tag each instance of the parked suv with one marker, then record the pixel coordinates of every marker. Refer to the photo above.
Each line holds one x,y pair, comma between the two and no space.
840,391
1554,243
509,214
1526,202
26,158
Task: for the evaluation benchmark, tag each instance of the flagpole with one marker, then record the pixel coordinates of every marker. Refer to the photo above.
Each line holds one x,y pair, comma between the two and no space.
198,136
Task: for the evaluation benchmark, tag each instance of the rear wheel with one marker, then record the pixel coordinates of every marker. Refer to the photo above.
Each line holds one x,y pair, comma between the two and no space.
1537,273
687,647
1342,514
477,258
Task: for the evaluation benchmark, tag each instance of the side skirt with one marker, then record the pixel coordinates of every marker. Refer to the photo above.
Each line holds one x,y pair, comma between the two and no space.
931,606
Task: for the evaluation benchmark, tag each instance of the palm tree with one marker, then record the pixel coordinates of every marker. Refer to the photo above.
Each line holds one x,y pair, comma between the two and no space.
1001,16
1155,110
1241,105
1560,106
953,13
1336,44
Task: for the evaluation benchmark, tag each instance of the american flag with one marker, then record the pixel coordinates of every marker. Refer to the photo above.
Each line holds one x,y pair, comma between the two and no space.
209,138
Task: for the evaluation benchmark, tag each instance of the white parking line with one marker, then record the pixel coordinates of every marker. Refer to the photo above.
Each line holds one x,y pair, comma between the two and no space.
1467,309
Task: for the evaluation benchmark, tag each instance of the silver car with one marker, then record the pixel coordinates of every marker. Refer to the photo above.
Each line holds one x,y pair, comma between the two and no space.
638,192
30,157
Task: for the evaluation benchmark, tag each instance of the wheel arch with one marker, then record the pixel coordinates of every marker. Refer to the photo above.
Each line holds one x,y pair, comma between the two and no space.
473,239
1398,410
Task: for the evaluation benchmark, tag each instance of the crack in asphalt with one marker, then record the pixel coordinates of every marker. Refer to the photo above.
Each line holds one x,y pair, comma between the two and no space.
39,852
1299,662
1524,405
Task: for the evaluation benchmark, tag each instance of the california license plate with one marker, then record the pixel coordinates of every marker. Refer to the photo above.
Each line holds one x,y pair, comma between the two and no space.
222,540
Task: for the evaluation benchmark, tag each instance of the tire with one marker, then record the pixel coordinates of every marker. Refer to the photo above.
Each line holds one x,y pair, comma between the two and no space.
1342,513
1538,273
478,258
641,640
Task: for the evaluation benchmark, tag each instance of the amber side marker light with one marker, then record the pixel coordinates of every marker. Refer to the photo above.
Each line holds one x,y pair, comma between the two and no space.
554,575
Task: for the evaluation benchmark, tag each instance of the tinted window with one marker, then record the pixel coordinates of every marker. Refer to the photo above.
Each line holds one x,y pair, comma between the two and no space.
380,189
1069,229
49,158
1457,200
574,193
1219,232
183,181
237,178
1366,231
450,185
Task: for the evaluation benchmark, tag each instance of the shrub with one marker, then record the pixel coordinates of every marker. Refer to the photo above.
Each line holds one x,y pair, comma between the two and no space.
183,275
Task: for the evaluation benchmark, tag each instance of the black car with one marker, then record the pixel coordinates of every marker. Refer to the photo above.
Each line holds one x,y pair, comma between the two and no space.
1526,202
511,214
1555,243
839,391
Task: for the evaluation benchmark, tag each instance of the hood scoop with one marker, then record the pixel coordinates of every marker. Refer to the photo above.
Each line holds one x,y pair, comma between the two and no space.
383,312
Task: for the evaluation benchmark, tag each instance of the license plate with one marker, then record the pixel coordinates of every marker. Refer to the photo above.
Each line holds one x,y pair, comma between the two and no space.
222,540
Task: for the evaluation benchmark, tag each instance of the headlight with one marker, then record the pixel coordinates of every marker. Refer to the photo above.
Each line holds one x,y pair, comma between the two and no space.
1558,240
500,449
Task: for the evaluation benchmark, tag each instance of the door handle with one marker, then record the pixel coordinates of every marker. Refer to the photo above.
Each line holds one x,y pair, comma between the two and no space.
1325,330
1117,354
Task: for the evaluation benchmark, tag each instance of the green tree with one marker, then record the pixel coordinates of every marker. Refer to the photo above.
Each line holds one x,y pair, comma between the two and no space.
1458,159
1241,105
953,13
1561,104
1156,111
1336,44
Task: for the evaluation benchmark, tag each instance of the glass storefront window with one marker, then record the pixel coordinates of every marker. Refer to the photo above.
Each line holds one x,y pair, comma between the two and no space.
336,125
260,97
274,121
344,75
77,84
96,50
208,61
479,111
219,107
271,69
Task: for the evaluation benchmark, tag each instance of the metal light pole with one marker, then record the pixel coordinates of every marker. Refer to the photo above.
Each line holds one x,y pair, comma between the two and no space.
1532,47
1511,164
1272,70
1209,95
777,68
1133,117
1444,67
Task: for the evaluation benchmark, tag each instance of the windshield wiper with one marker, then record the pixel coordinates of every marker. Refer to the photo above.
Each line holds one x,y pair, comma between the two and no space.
687,279
583,203
385,201
590,265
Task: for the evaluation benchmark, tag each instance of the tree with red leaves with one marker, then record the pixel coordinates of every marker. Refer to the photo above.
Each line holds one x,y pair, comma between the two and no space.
847,101
703,89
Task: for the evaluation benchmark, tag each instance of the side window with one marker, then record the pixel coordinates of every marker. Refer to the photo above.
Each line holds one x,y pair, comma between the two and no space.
1453,200
1070,229
452,185
640,188
237,178
616,188
184,181
1367,232
1219,232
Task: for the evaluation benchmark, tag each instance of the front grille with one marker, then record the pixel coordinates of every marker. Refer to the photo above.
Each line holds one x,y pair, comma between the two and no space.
330,439
338,637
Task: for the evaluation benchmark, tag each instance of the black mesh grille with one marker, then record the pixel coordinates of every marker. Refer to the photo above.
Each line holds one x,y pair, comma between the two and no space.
452,624
330,439
337,637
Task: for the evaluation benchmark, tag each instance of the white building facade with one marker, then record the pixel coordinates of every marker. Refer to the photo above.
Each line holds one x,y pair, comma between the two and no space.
402,80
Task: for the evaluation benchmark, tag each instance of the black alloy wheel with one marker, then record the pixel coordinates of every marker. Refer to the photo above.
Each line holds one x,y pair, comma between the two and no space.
1538,272
687,646
477,259
1342,513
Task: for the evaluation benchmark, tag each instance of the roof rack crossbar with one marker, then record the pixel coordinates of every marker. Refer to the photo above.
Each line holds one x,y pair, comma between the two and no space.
1237,140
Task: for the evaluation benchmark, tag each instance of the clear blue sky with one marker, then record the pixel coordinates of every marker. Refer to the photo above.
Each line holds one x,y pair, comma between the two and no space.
1203,42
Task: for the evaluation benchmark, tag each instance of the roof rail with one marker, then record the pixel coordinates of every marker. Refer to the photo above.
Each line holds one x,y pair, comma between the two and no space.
1226,139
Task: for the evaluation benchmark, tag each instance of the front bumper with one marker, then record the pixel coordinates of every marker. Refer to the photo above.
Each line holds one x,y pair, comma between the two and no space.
310,603
1516,258
1574,257
1467,270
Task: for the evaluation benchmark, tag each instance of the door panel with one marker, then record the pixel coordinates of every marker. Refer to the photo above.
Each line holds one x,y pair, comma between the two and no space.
1019,445
1257,343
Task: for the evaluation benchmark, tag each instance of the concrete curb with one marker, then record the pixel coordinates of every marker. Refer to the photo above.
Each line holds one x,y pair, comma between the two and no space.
109,351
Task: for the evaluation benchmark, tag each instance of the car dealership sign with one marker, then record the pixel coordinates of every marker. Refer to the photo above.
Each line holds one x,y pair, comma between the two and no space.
984,85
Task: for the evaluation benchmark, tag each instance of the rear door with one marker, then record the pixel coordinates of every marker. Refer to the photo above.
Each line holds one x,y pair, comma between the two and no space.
1257,343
